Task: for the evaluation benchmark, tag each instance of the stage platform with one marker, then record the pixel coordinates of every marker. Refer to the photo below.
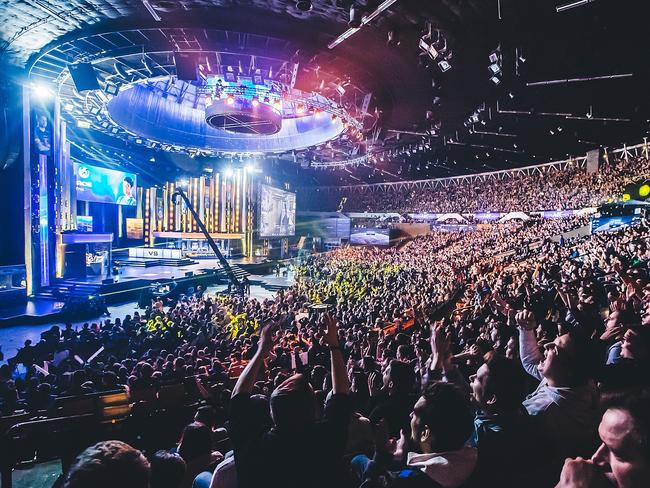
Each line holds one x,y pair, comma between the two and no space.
46,306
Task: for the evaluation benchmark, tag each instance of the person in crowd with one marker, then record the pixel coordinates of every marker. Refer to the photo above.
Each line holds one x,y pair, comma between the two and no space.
291,453
565,403
433,452
195,447
623,458
109,464
167,469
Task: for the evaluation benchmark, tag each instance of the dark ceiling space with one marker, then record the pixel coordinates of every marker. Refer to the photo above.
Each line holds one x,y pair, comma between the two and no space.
421,124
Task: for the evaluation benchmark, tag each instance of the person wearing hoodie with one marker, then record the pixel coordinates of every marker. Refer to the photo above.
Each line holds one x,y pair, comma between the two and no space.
564,406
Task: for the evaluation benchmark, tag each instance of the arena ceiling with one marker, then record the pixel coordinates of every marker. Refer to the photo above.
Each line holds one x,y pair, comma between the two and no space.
424,122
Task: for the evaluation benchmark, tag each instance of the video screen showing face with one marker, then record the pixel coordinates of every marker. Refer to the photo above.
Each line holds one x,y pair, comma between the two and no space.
277,212
103,185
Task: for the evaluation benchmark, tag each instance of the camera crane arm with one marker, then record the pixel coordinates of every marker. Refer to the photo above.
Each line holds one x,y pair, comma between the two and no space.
224,263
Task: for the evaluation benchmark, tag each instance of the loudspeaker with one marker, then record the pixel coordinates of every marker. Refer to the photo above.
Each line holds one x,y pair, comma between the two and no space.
185,66
108,281
84,76
189,274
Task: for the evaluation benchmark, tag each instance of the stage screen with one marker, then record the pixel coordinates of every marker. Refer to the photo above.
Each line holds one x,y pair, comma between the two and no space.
84,223
277,212
370,236
103,185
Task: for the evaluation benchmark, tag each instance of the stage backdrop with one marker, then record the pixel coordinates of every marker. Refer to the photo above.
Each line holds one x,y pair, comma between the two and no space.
103,185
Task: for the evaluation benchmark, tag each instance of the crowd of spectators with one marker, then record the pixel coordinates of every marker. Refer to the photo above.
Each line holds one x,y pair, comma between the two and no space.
549,189
500,356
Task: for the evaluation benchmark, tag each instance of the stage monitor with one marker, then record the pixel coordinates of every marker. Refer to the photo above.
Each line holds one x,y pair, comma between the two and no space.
103,185
277,217
370,236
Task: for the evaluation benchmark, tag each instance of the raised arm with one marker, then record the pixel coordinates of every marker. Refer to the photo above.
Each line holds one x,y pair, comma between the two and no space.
528,349
247,379
340,381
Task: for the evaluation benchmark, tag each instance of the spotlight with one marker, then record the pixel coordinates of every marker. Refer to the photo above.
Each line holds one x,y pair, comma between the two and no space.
208,100
300,108
83,124
355,17
495,79
255,101
230,99
494,57
444,65
495,68
228,172
277,104
304,5
68,107
249,168
41,91
317,112
644,190
334,118
152,159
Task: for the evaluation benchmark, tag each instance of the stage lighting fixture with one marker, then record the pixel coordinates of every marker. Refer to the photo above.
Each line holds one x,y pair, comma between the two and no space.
208,100
83,124
355,17
428,48
334,118
444,66
317,112
228,172
644,190
112,90
495,79
152,159
277,104
626,197
68,107
230,99
249,168
495,68
304,5
41,91
300,108
494,57
266,100
255,101
121,71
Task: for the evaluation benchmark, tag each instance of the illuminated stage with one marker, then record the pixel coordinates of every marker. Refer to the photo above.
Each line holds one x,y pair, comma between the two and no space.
132,281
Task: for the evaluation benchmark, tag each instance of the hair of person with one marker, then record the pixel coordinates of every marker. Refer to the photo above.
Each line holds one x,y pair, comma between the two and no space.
581,360
402,376
167,469
108,464
637,404
195,441
448,415
505,381
129,180
293,403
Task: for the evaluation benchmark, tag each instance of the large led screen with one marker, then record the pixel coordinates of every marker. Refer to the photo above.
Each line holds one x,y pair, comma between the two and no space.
103,185
277,212
370,236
